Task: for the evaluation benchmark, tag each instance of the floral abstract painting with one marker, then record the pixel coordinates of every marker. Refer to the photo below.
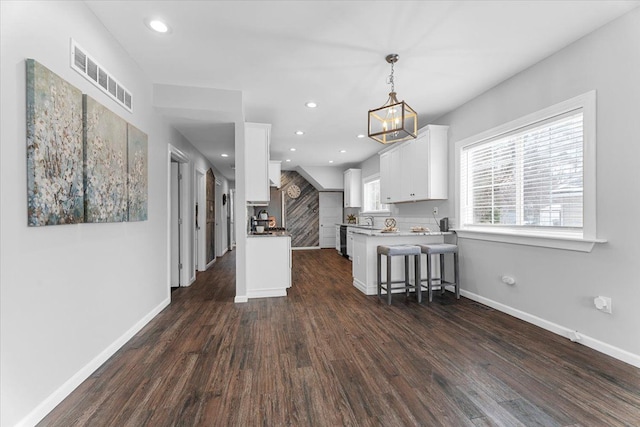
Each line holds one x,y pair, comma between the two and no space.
138,185
55,192
105,165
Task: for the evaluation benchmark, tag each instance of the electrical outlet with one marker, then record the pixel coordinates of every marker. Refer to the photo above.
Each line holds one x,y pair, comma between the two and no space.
435,210
603,304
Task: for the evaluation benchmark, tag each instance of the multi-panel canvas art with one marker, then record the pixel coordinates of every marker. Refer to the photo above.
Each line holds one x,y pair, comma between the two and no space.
84,162
55,193
138,186
105,166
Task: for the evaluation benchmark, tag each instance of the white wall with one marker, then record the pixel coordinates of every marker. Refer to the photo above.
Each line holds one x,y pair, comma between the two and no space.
555,285
555,288
71,294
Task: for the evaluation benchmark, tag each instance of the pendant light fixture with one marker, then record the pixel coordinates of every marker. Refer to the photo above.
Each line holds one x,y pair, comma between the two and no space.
395,121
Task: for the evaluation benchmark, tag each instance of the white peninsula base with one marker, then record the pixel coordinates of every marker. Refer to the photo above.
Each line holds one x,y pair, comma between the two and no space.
269,266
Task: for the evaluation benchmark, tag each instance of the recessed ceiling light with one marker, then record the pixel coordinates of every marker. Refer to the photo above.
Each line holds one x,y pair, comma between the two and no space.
292,149
299,132
158,26
361,136
288,160
311,104
343,151
224,155
330,161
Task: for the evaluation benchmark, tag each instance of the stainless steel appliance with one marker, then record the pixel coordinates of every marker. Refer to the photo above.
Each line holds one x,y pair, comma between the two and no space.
343,241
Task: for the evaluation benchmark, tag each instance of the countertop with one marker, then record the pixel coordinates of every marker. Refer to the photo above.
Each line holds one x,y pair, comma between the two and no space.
356,225
270,234
379,233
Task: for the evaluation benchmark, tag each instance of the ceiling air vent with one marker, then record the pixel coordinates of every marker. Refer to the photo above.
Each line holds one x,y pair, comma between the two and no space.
84,64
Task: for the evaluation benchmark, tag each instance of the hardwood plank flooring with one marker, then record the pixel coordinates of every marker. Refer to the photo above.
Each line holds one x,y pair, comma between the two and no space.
327,355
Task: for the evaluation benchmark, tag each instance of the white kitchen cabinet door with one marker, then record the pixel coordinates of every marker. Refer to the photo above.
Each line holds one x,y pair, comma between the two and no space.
257,136
349,243
389,183
385,178
352,188
407,171
338,239
275,172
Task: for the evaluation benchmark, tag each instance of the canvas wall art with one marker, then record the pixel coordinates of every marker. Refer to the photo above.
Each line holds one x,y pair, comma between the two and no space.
137,170
105,165
55,193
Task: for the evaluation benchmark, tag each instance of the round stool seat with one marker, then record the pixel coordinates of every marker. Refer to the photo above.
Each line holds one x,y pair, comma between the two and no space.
399,250
439,248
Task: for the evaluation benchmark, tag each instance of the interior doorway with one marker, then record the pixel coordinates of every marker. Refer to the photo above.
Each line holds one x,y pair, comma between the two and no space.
330,215
179,232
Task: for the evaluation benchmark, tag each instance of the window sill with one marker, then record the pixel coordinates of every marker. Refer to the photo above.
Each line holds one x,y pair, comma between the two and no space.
565,242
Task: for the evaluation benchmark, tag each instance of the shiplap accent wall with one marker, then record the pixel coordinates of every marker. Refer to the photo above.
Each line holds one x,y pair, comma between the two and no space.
303,218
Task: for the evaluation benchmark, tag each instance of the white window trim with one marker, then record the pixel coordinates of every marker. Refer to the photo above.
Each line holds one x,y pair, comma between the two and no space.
547,239
382,212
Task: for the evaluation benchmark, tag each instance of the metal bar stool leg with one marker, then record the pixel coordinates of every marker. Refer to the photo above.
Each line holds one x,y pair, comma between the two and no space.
441,274
429,279
456,276
389,287
406,275
379,275
416,261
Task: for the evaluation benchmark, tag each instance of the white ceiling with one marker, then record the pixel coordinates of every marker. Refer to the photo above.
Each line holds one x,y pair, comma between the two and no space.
281,54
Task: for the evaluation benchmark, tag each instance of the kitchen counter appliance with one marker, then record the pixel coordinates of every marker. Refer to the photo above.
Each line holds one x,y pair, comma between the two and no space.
343,241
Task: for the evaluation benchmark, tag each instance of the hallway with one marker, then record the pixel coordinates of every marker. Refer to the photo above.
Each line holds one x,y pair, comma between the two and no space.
326,355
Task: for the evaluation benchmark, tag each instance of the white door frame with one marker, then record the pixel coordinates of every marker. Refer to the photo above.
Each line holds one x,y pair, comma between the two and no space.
186,237
201,240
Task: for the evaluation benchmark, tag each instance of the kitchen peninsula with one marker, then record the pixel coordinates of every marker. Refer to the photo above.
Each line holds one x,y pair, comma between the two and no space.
269,274
365,243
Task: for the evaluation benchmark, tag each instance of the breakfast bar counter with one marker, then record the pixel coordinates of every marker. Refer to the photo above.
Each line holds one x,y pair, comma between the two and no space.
365,244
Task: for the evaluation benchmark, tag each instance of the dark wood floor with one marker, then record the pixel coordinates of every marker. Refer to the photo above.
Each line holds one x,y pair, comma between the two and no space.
327,355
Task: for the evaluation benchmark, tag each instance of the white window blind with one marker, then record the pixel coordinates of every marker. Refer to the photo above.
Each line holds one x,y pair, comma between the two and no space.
530,177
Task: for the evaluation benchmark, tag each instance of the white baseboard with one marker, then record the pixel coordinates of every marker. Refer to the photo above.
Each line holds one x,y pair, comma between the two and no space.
208,266
602,347
72,383
240,299
268,293
304,248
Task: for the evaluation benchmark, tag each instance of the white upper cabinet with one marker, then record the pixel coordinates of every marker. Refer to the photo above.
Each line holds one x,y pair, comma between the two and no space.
275,170
352,188
257,138
416,169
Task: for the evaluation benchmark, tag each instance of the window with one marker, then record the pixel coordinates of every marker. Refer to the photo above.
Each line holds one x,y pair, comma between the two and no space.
532,177
371,195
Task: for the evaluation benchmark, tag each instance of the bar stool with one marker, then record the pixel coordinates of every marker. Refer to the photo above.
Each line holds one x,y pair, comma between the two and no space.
399,250
440,249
